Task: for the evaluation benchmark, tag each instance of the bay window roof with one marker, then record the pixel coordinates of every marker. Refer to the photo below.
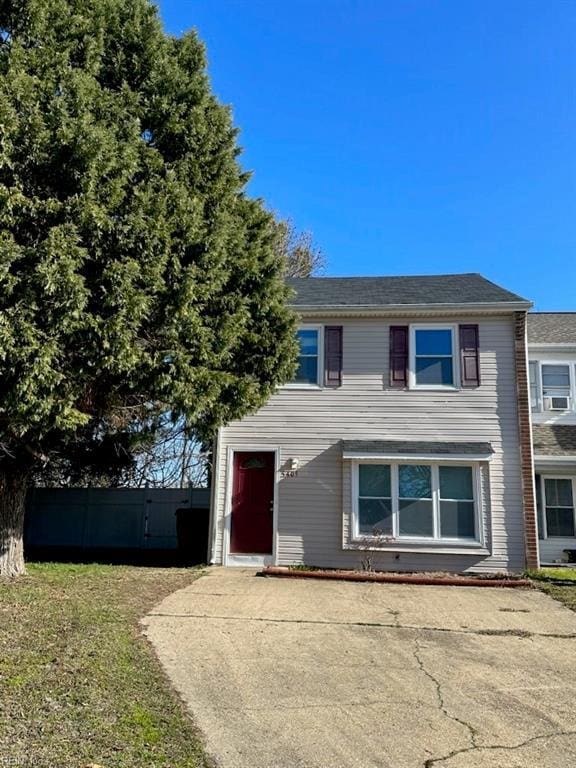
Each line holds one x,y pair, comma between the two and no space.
416,449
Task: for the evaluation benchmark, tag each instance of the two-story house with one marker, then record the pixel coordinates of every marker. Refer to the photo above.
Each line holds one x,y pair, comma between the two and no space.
552,353
404,435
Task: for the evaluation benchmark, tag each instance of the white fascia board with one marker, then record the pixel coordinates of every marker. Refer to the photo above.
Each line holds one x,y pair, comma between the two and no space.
213,519
555,459
550,347
356,456
410,309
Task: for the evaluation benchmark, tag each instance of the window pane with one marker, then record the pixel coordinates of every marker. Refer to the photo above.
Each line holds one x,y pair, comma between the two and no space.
533,368
416,518
434,342
558,493
539,510
456,483
457,519
556,375
434,370
415,481
560,521
307,372
374,480
308,342
375,517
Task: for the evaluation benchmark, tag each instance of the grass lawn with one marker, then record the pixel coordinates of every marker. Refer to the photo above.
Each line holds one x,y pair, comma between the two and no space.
565,594
78,683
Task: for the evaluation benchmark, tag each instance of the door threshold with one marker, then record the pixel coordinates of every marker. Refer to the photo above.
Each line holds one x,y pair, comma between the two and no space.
250,561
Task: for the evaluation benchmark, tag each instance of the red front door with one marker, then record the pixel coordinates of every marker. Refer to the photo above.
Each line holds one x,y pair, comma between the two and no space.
252,503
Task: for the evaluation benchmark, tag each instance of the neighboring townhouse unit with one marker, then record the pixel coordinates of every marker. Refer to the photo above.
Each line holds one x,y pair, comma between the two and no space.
403,439
552,353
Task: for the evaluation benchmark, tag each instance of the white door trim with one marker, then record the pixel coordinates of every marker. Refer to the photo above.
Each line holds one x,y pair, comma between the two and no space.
256,560
214,499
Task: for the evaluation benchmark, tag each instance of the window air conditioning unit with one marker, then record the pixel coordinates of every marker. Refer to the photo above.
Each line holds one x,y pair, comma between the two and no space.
557,403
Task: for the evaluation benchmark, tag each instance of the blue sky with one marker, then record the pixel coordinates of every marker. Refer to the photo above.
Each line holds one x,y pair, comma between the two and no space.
410,136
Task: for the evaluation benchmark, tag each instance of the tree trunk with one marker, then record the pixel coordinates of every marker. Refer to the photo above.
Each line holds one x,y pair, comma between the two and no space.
13,487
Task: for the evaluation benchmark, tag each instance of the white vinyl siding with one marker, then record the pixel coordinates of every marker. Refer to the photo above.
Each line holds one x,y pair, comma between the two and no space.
314,516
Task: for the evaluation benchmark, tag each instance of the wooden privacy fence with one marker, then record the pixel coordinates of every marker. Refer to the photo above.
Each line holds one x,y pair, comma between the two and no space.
111,518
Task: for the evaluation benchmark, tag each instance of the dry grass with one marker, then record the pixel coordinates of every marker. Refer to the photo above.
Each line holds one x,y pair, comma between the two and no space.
544,580
566,595
78,682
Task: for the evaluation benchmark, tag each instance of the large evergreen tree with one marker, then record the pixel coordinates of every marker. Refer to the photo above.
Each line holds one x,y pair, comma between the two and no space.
136,276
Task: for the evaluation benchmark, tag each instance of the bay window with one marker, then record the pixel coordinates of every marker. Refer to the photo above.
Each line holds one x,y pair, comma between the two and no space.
415,511
414,501
457,513
374,500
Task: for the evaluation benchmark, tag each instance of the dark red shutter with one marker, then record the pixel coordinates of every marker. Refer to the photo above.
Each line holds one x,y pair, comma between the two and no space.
469,356
399,356
333,356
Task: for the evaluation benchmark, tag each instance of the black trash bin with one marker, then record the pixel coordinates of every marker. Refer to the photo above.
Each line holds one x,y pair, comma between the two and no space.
192,533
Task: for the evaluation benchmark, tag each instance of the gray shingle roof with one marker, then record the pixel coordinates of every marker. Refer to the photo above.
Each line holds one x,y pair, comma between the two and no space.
415,448
554,439
381,291
552,328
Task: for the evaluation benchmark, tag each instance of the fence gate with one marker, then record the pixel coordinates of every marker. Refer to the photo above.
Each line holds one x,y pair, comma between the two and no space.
109,518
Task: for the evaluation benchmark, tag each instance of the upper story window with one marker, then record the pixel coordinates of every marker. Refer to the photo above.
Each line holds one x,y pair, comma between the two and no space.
556,385
319,357
552,386
433,358
309,357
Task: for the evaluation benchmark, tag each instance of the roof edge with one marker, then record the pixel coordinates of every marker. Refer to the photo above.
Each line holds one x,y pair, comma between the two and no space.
509,306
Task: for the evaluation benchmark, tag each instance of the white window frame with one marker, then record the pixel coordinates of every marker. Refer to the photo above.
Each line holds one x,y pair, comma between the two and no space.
320,373
412,384
543,479
540,385
435,540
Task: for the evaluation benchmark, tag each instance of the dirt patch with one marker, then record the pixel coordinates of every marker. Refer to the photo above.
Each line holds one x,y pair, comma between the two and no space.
457,580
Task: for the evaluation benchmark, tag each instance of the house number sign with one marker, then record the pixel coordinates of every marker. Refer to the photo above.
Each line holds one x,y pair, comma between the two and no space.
286,473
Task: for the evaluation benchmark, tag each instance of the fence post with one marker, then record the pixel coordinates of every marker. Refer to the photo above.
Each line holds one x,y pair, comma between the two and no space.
86,513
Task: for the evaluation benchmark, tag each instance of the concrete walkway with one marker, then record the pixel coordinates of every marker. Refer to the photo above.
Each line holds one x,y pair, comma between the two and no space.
311,674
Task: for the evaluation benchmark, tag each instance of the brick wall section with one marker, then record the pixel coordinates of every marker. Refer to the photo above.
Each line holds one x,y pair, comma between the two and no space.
525,435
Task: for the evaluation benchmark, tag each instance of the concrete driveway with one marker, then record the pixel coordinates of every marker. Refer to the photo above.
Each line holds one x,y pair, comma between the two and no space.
311,674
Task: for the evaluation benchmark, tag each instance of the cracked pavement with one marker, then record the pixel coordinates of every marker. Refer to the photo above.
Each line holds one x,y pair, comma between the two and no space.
316,674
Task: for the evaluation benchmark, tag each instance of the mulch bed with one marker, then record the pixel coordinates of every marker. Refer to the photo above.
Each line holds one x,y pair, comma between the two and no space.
456,580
